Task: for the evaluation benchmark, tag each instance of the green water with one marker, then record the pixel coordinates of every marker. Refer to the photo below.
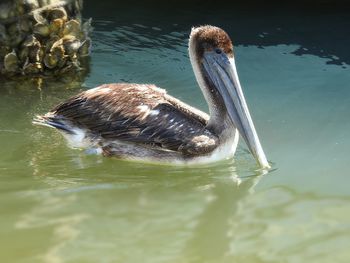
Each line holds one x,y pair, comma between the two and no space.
60,205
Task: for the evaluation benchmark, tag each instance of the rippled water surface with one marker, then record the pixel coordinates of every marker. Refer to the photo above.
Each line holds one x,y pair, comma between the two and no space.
61,205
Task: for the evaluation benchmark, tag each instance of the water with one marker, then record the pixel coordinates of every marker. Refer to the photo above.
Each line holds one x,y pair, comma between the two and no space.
60,205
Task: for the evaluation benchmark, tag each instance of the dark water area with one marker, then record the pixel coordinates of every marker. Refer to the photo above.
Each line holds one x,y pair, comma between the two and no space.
321,28
61,205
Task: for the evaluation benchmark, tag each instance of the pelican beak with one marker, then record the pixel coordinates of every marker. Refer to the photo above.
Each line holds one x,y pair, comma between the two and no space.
222,72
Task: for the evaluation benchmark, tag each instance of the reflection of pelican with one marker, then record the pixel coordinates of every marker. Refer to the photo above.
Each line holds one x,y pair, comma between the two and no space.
134,121
213,235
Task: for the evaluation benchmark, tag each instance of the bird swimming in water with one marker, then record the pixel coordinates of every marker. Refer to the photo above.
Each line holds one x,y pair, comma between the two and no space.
142,122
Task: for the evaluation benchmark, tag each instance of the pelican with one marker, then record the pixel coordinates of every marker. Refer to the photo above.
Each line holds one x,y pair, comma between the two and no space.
142,122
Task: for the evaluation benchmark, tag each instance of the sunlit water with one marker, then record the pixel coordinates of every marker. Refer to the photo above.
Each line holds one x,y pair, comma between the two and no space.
61,205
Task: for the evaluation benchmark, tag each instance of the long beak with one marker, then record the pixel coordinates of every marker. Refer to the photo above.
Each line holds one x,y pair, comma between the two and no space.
222,72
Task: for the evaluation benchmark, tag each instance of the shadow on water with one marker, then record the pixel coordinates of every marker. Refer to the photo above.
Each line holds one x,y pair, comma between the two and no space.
319,27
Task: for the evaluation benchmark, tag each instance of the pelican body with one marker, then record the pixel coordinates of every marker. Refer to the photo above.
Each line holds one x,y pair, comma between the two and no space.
143,122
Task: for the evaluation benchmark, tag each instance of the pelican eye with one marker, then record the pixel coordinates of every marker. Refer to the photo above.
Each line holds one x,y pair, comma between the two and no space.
218,51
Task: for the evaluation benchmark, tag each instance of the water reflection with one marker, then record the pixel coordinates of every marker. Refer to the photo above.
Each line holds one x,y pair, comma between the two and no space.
206,214
213,233
143,203
46,215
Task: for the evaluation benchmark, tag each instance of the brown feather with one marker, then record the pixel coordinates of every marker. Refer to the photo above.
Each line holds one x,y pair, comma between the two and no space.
208,38
142,114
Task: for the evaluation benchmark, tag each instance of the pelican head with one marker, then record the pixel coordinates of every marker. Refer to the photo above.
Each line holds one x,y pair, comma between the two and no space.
212,58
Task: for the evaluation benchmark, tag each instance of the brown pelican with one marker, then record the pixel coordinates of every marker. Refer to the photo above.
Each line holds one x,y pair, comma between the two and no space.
143,122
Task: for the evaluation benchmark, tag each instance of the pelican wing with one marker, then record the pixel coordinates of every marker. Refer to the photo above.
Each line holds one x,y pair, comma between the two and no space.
142,114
